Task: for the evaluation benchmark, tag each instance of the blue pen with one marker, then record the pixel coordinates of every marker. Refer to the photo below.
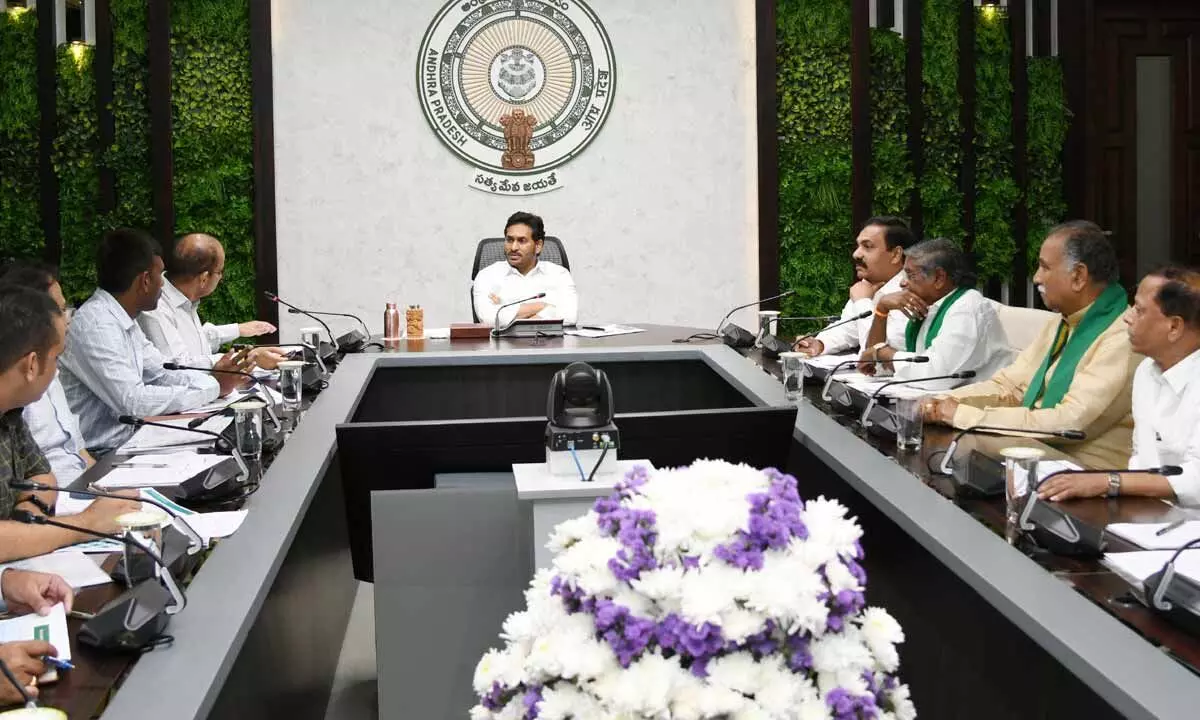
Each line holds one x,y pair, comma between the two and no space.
60,664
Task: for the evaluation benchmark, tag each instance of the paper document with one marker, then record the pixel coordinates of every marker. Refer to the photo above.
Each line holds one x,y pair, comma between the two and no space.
51,628
158,469
1135,567
72,565
599,331
1145,535
219,404
828,362
154,437
216,524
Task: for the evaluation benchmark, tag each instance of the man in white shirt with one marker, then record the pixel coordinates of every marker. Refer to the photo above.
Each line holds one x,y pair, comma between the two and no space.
1165,327
194,270
109,368
49,418
949,321
523,276
879,266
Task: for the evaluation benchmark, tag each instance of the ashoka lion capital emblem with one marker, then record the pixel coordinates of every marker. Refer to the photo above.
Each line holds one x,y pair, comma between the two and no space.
516,86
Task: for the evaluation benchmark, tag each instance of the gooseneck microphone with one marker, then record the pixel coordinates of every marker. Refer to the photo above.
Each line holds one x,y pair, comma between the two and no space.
195,542
853,318
874,399
720,325
847,363
496,328
947,467
256,382
135,618
221,445
351,340
1181,605
276,299
1057,531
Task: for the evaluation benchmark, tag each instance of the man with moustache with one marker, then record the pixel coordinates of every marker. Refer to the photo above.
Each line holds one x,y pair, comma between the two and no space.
879,266
1165,327
522,276
1076,375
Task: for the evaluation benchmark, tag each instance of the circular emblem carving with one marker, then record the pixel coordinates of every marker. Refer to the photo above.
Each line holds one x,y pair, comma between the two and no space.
516,86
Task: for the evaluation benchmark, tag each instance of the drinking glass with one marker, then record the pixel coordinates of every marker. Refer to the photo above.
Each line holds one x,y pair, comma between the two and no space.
1020,479
291,373
144,527
248,424
768,323
311,337
794,371
910,423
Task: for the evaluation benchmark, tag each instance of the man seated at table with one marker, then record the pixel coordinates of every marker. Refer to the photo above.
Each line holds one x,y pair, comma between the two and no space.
31,337
109,368
1077,373
524,275
54,427
25,592
1165,327
195,268
950,322
879,266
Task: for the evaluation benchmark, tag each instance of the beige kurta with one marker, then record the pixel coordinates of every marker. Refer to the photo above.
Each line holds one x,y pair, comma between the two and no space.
1098,402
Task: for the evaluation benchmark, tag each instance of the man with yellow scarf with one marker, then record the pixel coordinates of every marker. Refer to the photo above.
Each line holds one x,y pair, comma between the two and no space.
1078,373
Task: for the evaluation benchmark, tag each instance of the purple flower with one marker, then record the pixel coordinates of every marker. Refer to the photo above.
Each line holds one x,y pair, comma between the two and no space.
496,698
774,520
532,697
851,707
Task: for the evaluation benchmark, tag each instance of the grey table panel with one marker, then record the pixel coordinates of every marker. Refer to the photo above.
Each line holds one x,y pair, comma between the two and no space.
1119,665
456,563
227,594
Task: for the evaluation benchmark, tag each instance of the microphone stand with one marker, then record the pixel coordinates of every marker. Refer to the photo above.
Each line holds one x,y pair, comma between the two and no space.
256,382
180,600
874,399
1057,531
275,298
847,363
221,446
195,542
853,318
496,326
1183,607
947,460
350,340
715,335
136,618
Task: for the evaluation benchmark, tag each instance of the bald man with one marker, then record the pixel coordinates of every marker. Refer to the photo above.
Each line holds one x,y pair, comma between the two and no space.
194,270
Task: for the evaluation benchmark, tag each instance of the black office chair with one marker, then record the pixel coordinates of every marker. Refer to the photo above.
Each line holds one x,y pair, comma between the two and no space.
491,250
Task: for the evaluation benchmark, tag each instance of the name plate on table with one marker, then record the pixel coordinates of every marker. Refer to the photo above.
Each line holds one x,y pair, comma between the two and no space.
532,328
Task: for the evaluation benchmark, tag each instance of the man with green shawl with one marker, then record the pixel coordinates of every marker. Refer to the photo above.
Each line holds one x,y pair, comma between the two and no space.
1078,373
949,321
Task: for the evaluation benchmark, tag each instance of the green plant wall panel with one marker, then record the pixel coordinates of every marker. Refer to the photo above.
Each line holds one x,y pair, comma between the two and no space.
20,213
212,141
814,173
996,192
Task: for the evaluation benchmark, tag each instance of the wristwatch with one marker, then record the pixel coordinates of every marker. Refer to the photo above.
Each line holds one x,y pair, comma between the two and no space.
1114,484
876,348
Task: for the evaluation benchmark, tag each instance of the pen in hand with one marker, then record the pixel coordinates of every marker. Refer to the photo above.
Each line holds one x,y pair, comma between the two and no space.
60,664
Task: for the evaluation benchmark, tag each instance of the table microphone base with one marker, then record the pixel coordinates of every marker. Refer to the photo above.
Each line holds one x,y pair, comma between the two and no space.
174,554
131,621
736,336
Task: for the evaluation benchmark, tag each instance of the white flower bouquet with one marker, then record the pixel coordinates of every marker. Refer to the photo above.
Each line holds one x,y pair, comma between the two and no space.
698,593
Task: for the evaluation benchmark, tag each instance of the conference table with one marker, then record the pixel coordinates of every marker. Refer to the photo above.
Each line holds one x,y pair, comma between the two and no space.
993,629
